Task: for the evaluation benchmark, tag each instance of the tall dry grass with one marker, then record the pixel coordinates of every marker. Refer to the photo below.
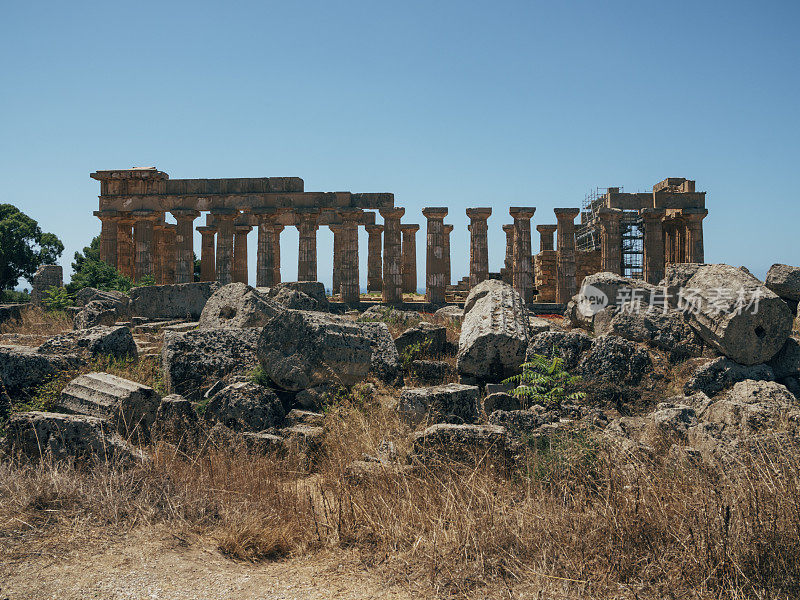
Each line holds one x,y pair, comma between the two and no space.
581,518
36,325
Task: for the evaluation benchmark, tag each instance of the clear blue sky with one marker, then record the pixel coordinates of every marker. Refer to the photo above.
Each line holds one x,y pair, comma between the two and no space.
443,103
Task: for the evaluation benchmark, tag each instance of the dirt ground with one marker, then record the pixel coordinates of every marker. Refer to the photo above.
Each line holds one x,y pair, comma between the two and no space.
153,565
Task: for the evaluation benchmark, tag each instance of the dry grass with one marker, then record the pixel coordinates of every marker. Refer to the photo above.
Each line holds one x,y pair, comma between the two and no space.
581,518
35,326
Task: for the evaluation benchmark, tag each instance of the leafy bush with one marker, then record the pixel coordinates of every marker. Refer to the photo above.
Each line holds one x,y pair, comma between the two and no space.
413,352
545,381
90,271
14,296
57,299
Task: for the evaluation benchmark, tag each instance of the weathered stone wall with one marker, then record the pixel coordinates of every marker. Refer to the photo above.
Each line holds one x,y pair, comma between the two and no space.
46,276
588,263
545,266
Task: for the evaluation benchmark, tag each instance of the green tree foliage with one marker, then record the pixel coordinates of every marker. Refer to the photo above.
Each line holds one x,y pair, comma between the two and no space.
544,381
90,271
23,246
57,299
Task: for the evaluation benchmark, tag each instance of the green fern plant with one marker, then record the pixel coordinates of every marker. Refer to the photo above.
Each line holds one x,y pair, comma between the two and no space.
545,381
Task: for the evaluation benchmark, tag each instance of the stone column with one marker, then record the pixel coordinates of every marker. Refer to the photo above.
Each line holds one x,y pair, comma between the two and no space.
523,271
208,268
143,221
409,266
350,288
307,247
223,219
653,244
694,233
276,273
566,268
184,242
240,273
448,279
436,264
265,254
478,245
669,242
610,240
170,264
125,246
337,258
108,235
392,250
546,237
374,267
161,256
508,263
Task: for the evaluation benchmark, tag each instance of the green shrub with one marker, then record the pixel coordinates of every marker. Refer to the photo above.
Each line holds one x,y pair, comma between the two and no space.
414,352
57,299
545,381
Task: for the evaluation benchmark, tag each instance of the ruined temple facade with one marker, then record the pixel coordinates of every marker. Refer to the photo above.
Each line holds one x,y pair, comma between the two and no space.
631,234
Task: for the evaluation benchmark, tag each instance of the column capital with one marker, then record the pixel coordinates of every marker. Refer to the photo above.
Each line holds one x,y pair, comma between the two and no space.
566,214
546,229
243,228
479,213
652,214
335,227
434,212
509,227
107,214
185,213
694,214
409,227
522,212
448,228
372,228
225,214
206,229
609,214
392,212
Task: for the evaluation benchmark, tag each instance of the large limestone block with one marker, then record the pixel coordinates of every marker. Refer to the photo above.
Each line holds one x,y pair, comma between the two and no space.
494,332
97,341
300,295
193,361
44,435
470,444
176,301
786,363
23,369
784,280
601,290
749,336
569,345
303,349
718,374
96,313
109,298
245,406
130,406
439,404
238,305
425,336
753,406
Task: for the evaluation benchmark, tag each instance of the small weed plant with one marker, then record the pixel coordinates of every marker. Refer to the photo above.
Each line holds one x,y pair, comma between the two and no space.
414,352
545,381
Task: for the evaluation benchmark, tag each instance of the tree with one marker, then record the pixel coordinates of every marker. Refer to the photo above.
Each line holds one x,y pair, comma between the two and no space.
90,271
23,246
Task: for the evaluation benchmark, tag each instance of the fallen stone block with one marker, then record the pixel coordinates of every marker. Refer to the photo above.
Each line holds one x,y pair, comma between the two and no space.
116,342
494,333
750,407
238,305
470,444
784,280
245,406
131,407
718,374
431,372
500,401
195,360
425,337
304,417
615,359
439,403
569,345
23,369
176,422
95,313
38,435
786,363
175,301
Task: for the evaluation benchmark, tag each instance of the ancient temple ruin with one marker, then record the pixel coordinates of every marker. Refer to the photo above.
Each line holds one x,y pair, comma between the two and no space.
633,234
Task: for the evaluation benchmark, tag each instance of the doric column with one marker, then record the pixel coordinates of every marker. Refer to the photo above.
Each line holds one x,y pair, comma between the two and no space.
565,254
143,221
307,246
653,244
170,234
435,263
694,233
392,248
610,240
240,273
337,259
508,263
546,233
349,254
223,219
265,253
448,279
108,235
669,243
125,246
160,254
478,245
523,270
208,268
276,273
409,263
374,266
184,244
